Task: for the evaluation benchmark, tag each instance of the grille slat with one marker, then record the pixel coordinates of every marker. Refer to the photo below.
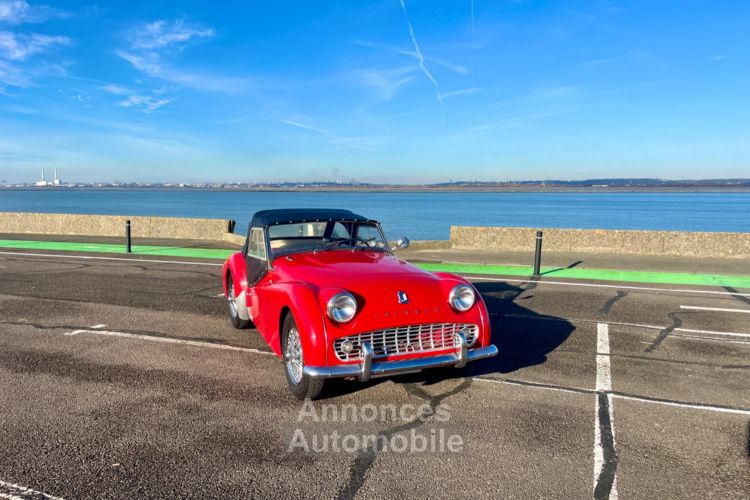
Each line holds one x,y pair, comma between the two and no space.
406,339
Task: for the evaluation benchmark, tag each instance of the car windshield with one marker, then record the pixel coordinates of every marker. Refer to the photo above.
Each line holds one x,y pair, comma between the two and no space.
324,236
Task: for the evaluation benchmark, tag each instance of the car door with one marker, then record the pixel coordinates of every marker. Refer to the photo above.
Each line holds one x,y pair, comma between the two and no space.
257,269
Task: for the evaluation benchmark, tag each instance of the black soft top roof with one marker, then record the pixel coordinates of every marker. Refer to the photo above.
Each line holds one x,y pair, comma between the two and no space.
296,215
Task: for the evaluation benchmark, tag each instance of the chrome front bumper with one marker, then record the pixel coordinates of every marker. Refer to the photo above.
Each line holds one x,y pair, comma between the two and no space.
367,369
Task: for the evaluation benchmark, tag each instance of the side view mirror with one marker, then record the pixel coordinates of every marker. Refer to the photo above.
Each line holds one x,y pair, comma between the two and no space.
401,244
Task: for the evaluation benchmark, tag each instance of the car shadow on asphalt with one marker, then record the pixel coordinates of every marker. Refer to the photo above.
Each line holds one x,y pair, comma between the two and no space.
523,337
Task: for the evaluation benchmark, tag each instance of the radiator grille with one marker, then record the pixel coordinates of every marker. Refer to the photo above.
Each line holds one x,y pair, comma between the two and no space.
407,339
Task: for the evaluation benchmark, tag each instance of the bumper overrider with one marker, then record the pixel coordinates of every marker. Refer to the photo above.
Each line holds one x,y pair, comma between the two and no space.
367,369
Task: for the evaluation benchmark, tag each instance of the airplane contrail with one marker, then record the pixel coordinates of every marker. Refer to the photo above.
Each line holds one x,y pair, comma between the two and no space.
420,57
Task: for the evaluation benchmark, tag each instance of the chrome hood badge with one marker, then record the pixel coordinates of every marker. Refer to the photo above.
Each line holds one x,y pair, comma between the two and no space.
402,298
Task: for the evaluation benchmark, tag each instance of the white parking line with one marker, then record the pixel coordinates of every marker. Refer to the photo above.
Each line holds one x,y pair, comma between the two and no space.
604,428
12,491
716,309
678,404
712,332
169,340
631,397
603,374
634,325
534,385
600,285
707,339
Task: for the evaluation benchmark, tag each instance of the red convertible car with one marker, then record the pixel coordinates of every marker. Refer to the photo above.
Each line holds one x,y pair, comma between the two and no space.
328,296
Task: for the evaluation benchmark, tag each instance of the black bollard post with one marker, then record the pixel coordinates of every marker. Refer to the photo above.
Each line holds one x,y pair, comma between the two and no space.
127,234
538,254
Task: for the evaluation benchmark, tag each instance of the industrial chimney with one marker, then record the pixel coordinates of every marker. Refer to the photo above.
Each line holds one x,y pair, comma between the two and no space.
43,182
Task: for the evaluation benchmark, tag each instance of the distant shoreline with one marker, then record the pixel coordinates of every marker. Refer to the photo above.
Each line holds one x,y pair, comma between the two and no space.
421,214
399,189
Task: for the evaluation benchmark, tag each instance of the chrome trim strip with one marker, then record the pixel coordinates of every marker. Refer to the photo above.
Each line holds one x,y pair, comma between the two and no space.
388,368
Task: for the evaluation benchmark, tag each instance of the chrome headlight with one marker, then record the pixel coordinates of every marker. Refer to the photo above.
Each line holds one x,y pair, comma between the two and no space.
342,307
462,297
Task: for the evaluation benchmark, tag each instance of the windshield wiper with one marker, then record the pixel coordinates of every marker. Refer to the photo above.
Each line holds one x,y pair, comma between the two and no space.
329,245
366,244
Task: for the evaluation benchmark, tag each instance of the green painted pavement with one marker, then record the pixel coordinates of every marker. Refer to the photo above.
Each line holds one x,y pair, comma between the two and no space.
68,246
733,281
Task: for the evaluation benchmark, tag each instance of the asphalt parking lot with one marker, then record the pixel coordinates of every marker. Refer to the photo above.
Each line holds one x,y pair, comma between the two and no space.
123,378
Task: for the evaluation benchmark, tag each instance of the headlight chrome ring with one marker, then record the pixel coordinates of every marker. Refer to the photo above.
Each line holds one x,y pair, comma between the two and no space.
342,307
462,297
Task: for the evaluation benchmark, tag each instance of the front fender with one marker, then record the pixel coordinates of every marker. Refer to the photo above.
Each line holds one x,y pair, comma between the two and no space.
301,300
235,264
450,280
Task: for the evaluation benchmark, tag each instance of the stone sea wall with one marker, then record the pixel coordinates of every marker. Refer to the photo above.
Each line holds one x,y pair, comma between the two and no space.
666,243
113,225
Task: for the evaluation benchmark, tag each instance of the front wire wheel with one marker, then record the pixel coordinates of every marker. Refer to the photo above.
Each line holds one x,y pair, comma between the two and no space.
293,356
302,386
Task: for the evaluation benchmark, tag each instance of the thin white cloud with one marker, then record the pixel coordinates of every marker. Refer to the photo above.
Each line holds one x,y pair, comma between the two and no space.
420,57
21,110
150,45
361,148
456,93
596,62
12,12
302,126
152,65
400,50
556,92
160,34
116,89
17,69
148,63
17,46
144,102
208,81
359,143
19,12
509,122
22,74
13,76
136,99
386,83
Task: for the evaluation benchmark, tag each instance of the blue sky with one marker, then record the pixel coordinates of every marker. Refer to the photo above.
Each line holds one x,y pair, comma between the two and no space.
378,91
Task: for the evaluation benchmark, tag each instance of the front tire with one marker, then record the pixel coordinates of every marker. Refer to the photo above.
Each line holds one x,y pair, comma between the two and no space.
302,386
234,316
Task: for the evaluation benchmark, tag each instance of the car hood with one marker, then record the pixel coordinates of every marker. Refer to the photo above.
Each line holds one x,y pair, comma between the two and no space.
344,268
371,275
